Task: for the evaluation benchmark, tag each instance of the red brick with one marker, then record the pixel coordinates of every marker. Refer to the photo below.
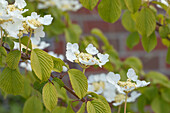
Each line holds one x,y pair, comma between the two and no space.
150,63
59,47
93,69
104,26
168,65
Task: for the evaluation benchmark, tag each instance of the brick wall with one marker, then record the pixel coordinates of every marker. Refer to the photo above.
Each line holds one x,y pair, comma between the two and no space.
117,35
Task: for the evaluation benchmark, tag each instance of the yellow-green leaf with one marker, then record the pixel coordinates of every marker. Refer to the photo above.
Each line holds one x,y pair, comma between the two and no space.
11,81
26,92
107,106
41,63
50,97
78,82
82,109
109,10
96,106
133,5
58,64
168,56
89,4
33,105
13,59
149,43
128,22
145,22
59,109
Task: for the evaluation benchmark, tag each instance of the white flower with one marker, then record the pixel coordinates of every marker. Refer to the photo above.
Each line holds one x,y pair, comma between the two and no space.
38,33
74,48
133,96
46,20
91,49
132,75
70,56
32,20
42,45
103,59
13,27
126,86
26,65
20,3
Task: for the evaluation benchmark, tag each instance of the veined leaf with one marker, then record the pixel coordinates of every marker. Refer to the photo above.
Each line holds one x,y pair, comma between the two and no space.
50,97
107,106
33,105
82,109
164,31
13,59
149,43
78,82
109,10
128,22
3,51
133,5
11,81
59,81
9,41
3,55
132,40
41,63
96,106
89,4
145,22
26,92
58,64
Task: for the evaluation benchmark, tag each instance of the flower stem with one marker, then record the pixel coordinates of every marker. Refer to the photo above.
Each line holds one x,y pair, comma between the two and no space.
125,103
84,70
119,109
20,43
1,38
29,41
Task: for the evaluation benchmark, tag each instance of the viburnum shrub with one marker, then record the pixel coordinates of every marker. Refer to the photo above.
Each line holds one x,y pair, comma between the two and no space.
41,78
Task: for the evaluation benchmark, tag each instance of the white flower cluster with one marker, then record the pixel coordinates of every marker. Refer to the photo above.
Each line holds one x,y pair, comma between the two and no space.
92,57
126,86
100,85
64,5
15,25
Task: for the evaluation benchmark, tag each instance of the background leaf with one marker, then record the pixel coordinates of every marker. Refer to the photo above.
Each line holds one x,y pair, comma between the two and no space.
89,4
132,40
133,5
145,22
109,10
33,105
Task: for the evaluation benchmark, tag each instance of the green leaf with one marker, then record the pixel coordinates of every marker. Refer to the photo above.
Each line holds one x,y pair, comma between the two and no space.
165,93
59,81
134,62
133,5
72,33
96,106
78,82
168,56
164,31
26,92
133,39
58,64
41,63
89,4
128,22
59,109
145,22
160,106
106,105
149,43
158,78
11,81
69,109
13,59
24,41
82,109
50,97
141,103
39,86
3,55
10,42
109,10
33,105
